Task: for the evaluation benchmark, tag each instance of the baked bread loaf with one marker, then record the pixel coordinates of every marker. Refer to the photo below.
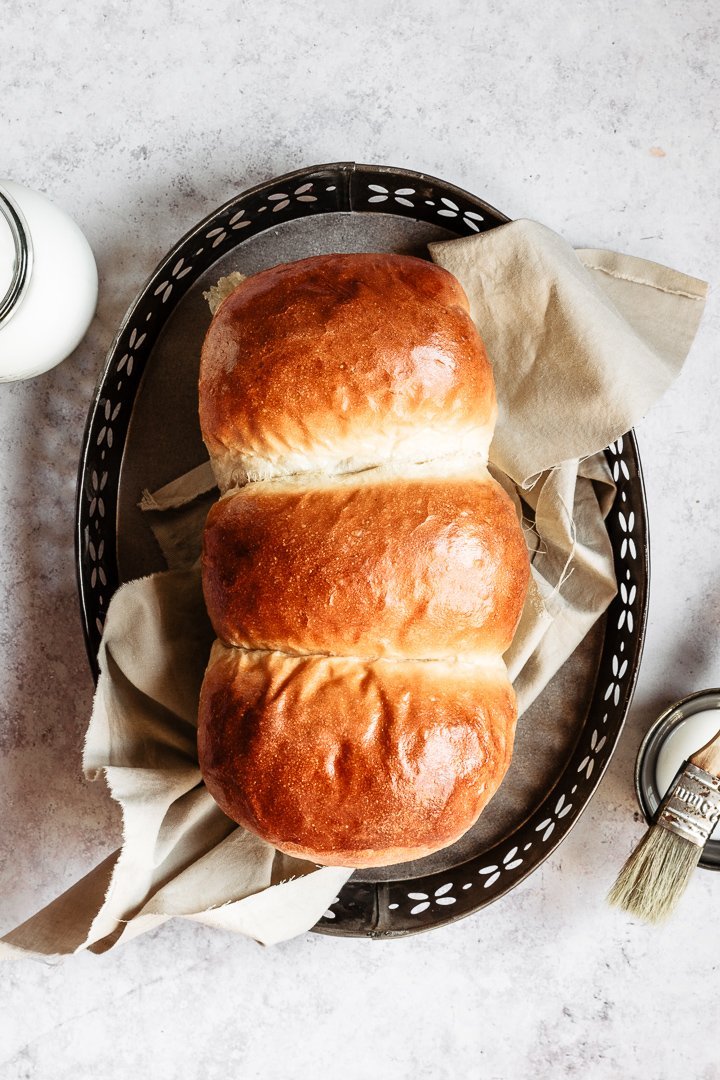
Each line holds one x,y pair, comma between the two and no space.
363,572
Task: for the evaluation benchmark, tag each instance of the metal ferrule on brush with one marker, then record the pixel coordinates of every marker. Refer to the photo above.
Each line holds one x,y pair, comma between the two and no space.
691,808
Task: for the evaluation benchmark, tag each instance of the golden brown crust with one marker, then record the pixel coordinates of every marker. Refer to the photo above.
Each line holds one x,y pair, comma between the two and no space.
371,565
341,358
353,762
388,746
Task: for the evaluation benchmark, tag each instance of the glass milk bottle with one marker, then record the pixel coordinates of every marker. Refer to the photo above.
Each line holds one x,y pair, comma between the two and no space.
48,283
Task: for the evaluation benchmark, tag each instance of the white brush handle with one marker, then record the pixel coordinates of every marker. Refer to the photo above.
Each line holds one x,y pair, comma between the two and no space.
708,756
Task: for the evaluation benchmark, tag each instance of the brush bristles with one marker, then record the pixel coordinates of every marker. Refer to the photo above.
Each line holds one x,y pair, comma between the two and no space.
656,875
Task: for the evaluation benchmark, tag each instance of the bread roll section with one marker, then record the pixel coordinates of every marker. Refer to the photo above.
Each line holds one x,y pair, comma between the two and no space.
354,762
340,363
363,572
418,565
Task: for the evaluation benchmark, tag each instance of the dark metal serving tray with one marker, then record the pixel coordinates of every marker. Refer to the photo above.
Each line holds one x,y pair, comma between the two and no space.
142,432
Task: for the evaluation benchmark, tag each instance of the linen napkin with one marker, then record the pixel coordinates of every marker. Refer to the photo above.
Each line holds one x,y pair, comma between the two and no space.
582,345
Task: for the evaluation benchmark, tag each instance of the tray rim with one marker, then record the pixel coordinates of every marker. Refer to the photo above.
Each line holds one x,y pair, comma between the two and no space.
346,173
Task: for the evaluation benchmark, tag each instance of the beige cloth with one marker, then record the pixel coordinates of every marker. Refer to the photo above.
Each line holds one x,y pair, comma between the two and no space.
581,348
583,343
180,856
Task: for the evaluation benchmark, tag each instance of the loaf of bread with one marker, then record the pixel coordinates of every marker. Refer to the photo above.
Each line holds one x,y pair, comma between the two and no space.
363,572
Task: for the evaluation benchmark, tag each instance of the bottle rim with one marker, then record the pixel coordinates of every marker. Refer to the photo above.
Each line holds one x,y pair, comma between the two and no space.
13,216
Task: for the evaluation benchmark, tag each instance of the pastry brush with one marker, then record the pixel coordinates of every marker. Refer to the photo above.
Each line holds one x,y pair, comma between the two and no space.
657,873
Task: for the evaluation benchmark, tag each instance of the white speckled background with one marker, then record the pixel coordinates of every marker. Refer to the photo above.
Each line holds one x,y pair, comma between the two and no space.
598,119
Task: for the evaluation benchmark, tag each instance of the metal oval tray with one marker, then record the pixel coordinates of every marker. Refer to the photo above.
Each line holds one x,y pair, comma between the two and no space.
142,432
